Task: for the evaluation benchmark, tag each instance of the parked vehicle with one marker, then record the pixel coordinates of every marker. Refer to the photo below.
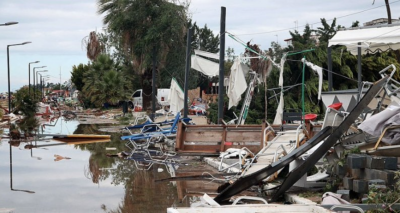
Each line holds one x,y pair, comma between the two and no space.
136,99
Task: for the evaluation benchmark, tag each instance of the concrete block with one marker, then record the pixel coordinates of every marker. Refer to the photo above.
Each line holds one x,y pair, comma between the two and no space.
374,162
360,186
356,161
385,175
345,194
376,183
340,170
357,173
348,183
390,163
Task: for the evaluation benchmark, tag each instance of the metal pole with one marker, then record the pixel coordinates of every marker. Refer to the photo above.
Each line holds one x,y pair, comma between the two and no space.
34,83
359,71
187,69
29,80
221,66
330,84
11,182
302,91
153,96
8,72
41,86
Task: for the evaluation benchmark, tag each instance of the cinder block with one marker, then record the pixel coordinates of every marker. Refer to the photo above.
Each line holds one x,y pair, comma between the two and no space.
357,173
377,183
340,170
385,175
345,194
348,183
356,161
360,186
390,163
374,162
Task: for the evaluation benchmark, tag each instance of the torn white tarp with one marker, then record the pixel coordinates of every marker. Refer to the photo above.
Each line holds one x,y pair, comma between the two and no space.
207,54
176,97
279,111
282,65
237,82
318,70
207,67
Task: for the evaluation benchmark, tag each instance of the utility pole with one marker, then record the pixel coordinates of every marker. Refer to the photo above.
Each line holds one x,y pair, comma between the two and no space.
221,88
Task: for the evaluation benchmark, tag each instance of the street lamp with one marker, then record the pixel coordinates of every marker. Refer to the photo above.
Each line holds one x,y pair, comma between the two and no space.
8,68
9,23
37,72
34,77
42,84
29,74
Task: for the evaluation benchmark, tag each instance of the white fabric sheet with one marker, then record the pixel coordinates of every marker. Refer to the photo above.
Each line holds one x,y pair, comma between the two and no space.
279,111
176,97
282,65
207,67
207,54
373,39
318,70
237,82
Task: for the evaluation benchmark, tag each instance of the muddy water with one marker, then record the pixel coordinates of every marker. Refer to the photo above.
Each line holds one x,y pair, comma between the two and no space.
43,180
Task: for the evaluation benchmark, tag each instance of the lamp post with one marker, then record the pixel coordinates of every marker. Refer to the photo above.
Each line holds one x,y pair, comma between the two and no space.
8,68
9,23
42,86
29,74
34,78
37,72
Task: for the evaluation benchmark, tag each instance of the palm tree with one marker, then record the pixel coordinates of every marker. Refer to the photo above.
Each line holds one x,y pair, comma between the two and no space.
104,82
145,29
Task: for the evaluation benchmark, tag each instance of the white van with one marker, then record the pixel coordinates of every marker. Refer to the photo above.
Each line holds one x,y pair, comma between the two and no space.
137,98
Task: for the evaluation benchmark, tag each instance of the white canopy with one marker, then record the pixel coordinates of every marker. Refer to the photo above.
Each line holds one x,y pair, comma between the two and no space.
372,39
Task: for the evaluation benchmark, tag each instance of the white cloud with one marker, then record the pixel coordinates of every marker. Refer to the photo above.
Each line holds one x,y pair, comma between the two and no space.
57,27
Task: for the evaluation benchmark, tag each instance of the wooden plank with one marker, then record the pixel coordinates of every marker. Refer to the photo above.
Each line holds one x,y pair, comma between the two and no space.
207,148
210,136
243,136
179,136
222,148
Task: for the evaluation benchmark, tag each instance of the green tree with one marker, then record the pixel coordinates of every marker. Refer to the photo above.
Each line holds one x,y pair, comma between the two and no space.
145,29
105,82
77,75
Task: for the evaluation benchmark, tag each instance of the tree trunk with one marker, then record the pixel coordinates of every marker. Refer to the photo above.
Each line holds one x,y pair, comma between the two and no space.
146,89
388,12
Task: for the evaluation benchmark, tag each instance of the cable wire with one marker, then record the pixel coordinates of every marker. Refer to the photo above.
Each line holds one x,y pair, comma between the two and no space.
273,31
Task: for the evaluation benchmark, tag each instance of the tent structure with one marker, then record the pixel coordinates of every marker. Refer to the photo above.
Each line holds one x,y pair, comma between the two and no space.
366,40
374,39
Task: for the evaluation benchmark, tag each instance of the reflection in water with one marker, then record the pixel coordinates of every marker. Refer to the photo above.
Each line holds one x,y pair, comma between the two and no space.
11,176
118,185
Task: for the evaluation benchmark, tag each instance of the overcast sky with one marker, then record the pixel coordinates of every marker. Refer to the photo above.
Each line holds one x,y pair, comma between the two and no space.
56,27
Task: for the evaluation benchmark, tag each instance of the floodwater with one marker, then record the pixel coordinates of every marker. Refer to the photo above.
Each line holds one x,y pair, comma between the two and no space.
34,180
